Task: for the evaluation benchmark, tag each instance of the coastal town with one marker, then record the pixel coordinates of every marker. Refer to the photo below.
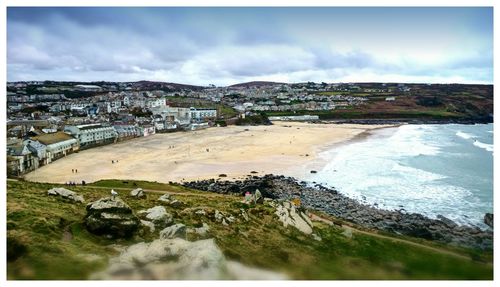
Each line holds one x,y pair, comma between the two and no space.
49,120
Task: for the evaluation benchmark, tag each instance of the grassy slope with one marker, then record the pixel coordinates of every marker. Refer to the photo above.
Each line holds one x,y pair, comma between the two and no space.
41,224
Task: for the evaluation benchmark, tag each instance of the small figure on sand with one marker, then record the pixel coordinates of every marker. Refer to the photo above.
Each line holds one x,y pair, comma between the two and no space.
72,170
112,161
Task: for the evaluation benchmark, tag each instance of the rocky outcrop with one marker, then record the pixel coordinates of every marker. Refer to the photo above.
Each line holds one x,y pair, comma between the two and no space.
66,194
332,202
111,217
488,219
178,259
158,215
289,215
137,193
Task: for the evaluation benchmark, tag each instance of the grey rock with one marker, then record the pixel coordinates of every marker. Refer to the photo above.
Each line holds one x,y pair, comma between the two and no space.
176,230
447,221
202,231
66,194
158,215
137,193
288,215
176,204
219,217
316,237
111,217
149,225
178,259
488,219
165,198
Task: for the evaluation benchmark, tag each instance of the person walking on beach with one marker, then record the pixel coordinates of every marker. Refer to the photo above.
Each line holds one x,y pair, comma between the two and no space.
72,170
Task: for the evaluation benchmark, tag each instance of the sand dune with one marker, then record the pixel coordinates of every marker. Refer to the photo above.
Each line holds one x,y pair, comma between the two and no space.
234,150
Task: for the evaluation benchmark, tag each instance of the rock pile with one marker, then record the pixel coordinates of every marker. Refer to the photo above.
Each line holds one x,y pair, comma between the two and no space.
66,194
330,201
111,217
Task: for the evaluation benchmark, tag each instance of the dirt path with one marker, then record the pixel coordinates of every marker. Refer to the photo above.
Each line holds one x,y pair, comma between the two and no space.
315,217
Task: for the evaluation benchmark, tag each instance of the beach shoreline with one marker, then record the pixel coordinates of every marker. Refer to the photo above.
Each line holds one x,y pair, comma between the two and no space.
236,151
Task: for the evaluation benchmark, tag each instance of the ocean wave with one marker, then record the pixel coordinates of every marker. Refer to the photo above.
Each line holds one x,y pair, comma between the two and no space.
465,135
488,147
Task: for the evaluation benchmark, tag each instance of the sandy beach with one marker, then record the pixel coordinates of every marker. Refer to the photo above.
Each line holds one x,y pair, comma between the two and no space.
284,148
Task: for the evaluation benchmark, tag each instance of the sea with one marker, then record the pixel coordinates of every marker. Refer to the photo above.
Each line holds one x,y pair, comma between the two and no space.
428,169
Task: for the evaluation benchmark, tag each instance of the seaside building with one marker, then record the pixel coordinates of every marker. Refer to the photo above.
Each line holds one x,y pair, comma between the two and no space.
124,132
39,150
92,134
57,145
20,159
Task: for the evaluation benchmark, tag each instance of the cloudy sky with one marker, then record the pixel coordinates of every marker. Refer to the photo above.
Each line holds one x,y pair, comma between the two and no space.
225,46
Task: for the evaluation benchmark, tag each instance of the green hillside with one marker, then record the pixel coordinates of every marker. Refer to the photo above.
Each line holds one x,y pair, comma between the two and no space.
47,239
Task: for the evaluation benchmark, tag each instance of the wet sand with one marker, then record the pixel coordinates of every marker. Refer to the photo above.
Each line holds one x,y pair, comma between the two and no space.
285,148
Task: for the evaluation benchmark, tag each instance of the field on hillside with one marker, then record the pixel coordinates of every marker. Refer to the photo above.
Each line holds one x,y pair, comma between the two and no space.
47,239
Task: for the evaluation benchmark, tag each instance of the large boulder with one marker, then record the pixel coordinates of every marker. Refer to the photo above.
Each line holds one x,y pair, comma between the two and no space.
158,215
66,194
111,217
178,259
289,215
488,219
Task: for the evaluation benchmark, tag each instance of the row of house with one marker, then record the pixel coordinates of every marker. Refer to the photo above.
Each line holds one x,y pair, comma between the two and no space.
28,155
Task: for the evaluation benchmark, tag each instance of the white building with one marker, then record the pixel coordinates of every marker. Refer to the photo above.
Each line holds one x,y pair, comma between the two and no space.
145,131
173,114
160,102
201,114
92,134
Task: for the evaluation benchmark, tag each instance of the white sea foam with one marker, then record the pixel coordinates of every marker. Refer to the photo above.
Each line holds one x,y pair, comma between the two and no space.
488,147
465,135
381,170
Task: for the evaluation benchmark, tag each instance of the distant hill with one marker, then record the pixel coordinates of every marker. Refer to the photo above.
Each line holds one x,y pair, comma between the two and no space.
150,85
256,84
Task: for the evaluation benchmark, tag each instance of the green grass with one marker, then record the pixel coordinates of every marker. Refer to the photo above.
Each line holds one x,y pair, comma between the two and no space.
38,225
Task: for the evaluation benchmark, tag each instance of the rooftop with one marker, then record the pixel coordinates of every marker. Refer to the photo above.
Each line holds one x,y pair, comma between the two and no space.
52,138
